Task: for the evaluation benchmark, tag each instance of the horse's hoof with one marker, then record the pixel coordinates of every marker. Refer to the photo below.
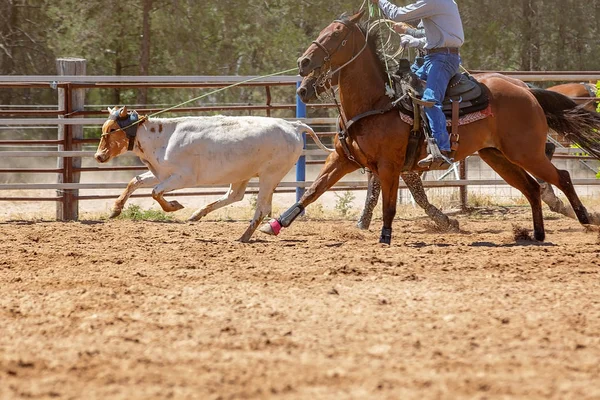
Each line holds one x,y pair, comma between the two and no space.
273,227
363,226
385,240
454,226
539,236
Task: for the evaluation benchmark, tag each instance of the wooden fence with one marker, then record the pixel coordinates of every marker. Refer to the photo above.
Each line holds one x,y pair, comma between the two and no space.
70,116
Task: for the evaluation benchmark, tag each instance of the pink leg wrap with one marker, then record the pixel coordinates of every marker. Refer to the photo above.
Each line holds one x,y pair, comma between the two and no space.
275,226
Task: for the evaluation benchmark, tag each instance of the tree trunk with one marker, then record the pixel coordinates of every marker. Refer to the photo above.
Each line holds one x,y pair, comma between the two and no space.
142,97
530,50
8,20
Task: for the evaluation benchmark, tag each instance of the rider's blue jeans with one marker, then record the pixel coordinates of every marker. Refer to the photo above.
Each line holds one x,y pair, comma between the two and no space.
437,70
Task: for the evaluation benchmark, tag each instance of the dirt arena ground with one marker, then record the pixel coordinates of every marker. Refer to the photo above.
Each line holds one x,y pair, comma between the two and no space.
148,310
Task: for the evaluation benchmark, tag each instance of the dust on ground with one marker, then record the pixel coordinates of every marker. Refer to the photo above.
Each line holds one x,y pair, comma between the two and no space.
142,310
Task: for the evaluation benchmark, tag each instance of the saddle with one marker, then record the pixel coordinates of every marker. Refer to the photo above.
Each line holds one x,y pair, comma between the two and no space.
462,88
464,95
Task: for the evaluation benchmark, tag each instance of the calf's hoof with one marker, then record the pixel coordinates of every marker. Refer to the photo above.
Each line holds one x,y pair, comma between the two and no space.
173,206
115,213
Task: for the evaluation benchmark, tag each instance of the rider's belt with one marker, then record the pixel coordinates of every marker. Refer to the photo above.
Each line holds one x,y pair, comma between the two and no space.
447,50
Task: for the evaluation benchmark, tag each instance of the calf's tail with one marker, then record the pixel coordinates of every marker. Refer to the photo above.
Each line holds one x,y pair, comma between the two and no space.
303,128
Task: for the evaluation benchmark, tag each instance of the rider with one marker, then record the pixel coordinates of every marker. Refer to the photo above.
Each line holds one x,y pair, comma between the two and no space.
443,38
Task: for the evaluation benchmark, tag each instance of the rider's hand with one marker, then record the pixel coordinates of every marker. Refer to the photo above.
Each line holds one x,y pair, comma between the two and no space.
401,27
409,41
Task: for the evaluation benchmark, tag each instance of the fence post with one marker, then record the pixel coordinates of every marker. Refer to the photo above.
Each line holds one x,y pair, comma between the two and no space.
69,100
462,172
301,164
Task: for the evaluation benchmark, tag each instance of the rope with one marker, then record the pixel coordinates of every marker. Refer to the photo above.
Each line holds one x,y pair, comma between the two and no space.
144,118
221,89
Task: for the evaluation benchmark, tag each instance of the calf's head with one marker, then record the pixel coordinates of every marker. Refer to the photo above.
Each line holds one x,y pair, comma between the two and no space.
114,140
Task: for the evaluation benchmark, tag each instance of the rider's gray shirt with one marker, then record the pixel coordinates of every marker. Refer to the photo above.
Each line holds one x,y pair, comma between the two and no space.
441,20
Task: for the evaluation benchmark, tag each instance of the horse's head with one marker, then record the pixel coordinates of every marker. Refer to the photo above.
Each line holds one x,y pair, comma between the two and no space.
333,47
114,140
314,85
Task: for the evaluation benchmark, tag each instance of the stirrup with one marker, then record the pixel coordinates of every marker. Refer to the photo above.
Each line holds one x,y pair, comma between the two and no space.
435,162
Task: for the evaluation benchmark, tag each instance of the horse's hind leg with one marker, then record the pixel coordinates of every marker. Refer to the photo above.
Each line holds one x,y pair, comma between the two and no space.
519,179
542,168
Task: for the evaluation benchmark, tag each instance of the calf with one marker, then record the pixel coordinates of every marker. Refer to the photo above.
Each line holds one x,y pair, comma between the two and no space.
193,151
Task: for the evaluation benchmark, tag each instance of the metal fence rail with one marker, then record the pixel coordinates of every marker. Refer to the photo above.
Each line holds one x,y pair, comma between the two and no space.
67,148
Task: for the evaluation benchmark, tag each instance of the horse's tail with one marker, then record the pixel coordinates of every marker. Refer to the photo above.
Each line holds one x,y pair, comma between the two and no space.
303,128
567,118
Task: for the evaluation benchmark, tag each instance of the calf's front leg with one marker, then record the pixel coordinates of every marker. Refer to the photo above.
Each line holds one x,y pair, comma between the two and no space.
147,179
173,182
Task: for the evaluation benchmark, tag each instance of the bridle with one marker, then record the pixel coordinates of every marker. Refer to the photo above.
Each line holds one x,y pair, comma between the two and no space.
344,123
342,43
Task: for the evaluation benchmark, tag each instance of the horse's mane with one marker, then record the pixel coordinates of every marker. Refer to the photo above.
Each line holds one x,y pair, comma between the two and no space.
373,40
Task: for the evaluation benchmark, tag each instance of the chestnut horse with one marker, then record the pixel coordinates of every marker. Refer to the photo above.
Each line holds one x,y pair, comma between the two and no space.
311,88
511,141
584,93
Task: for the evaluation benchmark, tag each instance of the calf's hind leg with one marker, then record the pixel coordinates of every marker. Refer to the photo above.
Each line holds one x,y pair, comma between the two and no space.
235,193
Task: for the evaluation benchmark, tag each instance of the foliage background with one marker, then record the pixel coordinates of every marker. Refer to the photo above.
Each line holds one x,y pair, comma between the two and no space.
226,37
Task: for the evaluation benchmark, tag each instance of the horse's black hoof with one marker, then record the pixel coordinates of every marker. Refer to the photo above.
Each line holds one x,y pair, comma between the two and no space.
386,236
539,236
385,240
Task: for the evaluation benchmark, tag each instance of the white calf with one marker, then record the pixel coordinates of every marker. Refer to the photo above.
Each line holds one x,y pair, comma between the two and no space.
192,151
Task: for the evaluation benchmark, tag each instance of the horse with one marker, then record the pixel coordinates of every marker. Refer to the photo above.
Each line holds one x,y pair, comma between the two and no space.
511,140
311,88
584,93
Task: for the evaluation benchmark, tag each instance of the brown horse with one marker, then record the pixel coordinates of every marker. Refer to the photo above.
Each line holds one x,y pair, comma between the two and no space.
311,88
584,93
511,141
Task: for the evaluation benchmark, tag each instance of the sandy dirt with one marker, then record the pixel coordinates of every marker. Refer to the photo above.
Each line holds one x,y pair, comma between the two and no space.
145,310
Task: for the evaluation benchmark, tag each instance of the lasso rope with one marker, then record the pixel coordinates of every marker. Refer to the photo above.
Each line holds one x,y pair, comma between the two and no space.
222,89
145,117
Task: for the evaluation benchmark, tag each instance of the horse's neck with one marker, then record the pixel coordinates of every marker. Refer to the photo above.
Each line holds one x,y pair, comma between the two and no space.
362,87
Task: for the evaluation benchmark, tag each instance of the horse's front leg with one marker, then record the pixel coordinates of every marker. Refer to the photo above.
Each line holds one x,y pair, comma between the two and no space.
335,168
389,174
